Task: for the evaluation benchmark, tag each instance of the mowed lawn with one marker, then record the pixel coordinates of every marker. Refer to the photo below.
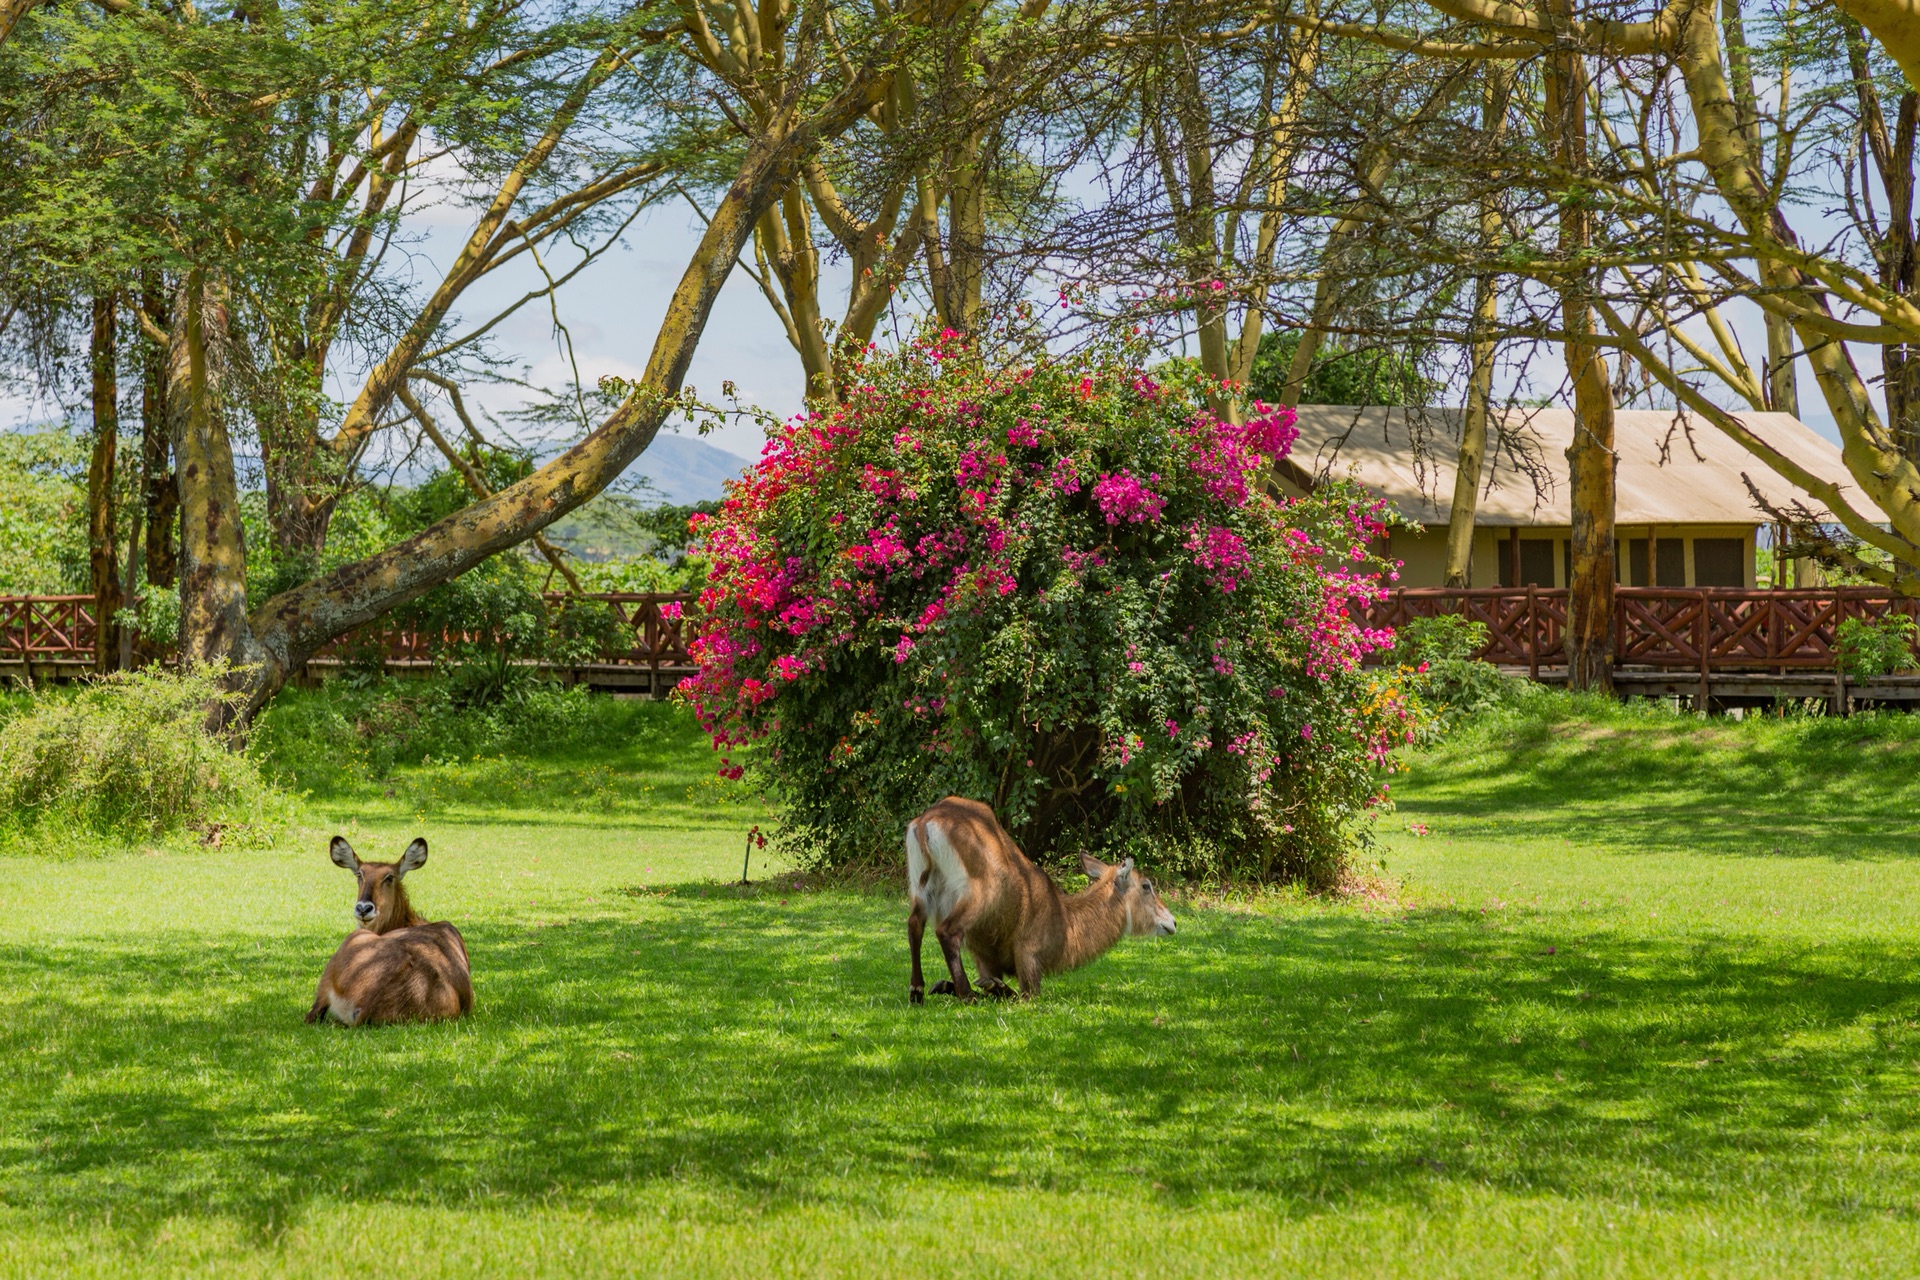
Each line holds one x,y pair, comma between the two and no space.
1651,1006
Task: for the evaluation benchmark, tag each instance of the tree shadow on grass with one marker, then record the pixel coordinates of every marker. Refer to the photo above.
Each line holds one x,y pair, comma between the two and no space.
763,1049
1832,793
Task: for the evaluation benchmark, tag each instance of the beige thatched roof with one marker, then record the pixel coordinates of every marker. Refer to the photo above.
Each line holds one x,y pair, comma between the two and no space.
1675,468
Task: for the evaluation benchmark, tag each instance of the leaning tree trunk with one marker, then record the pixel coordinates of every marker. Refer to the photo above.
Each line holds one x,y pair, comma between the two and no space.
1473,440
1590,457
282,633
1486,312
102,557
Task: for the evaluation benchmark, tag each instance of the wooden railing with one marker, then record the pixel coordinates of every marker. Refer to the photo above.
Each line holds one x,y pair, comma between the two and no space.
1703,629
61,631
47,629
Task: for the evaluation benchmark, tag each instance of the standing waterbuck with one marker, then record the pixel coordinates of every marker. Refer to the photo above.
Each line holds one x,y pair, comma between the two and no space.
395,967
966,876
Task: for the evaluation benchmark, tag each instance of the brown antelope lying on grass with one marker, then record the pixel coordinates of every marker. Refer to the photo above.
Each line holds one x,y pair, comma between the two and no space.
395,967
966,875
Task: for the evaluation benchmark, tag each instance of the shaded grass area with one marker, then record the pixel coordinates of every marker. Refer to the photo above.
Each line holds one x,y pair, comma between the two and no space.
555,757
1567,1057
1641,777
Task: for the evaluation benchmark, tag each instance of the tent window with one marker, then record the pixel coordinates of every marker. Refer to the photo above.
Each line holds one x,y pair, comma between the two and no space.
1536,562
1719,562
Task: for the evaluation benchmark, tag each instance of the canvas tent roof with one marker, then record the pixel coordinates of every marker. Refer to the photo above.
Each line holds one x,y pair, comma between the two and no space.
1675,468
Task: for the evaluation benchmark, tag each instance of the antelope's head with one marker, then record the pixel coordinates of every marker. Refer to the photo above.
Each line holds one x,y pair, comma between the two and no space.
382,904
1146,914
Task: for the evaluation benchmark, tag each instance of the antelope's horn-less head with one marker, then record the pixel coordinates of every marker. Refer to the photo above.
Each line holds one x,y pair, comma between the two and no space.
1147,914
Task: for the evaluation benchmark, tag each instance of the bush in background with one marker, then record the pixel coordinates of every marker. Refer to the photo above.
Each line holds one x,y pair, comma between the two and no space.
1439,661
1060,588
129,756
342,735
43,512
1866,650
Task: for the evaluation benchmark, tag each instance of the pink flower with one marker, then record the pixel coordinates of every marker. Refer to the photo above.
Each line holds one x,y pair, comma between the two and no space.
1273,432
1222,553
1121,496
1173,730
1066,477
1306,733
673,610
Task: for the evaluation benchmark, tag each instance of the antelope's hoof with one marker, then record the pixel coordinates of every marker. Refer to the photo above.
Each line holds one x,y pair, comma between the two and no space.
942,988
916,996
999,991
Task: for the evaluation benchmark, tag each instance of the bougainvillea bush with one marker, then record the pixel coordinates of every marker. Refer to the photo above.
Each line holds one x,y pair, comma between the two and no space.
1060,588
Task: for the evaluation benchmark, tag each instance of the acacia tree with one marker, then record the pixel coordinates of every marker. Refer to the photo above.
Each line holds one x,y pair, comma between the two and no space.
804,83
1689,228
912,195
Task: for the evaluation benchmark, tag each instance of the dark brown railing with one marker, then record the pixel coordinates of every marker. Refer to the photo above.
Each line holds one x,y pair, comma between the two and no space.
61,631
1702,629
1697,629
47,629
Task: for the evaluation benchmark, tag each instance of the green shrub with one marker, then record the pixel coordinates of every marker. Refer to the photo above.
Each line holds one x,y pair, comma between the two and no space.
344,735
1866,650
129,756
43,512
1444,673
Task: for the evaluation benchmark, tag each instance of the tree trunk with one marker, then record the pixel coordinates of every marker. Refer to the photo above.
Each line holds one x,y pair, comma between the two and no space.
283,632
103,560
213,552
1900,263
160,495
1473,439
1590,458
1486,312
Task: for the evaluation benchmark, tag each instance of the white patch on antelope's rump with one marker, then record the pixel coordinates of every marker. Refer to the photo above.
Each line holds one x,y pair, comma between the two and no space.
342,1009
936,878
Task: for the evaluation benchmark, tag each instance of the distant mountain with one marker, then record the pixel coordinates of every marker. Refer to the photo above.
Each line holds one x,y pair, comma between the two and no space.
686,469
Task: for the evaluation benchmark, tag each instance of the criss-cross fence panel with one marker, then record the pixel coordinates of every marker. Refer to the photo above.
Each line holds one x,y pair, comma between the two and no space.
657,622
1702,629
652,625
61,629
1524,628
47,629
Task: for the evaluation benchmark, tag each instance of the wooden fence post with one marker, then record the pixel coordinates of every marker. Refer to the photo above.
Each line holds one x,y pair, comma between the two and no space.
1533,635
1700,630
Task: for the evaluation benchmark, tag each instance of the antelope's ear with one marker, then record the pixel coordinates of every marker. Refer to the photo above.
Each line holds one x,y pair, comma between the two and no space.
1092,866
343,855
1125,875
413,859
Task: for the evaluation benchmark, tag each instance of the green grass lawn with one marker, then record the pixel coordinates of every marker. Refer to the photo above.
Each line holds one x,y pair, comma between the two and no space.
1652,1008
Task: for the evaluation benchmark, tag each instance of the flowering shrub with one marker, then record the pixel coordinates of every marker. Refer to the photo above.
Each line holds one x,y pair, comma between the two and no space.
1062,589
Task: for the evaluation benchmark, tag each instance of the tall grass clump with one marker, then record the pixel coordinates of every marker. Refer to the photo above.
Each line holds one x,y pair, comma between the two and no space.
344,735
128,756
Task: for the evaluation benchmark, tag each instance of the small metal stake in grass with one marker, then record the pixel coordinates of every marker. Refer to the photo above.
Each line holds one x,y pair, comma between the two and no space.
752,836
